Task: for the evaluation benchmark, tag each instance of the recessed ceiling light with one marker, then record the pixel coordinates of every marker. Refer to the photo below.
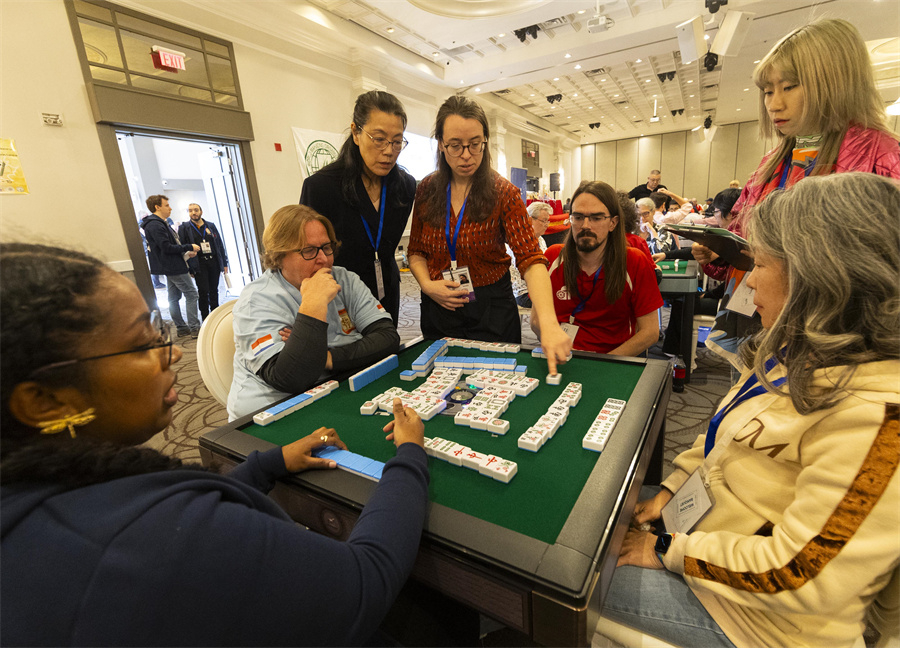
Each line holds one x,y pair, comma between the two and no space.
654,95
435,53
580,11
501,35
590,107
567,55
746,89
690,80
602,80
477,89
692,96
569,117
578,67
531,95
755,62
705,36
556,78
639,61
460,80
575,95
647,81
615,95
739,110
390,30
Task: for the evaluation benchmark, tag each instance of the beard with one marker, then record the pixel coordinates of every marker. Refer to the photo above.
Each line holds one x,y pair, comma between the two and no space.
587,242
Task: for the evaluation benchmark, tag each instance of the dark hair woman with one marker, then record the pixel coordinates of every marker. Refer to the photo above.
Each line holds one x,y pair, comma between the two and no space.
108,544
465,214
367,196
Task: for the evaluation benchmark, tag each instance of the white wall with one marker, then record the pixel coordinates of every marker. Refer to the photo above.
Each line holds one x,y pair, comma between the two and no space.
70,200
691,167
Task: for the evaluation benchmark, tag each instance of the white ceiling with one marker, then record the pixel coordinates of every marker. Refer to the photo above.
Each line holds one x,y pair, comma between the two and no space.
469,45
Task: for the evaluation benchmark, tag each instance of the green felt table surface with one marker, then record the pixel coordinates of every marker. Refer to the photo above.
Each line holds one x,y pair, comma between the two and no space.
668,267
539,498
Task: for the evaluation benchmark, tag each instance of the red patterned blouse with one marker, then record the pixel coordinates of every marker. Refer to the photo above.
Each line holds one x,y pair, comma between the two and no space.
480,246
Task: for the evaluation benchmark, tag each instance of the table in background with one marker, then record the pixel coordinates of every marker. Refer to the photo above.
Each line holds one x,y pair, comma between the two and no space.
536,554
683,284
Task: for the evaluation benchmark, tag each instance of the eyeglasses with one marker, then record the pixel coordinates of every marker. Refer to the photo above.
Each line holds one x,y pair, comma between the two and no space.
578,218
455,150
541,220
310,252
382,143
645,213
165,337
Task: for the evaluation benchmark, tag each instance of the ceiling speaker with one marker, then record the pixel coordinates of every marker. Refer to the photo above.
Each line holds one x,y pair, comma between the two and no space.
690,39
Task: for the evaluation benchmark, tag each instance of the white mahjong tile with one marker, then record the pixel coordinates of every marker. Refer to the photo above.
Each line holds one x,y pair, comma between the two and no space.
433,444
498,426
474,460
505,470
530,441
488,466
463,418
368,408
481,422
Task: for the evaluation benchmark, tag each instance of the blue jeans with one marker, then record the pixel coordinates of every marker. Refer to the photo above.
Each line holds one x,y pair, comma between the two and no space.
178,285
660,603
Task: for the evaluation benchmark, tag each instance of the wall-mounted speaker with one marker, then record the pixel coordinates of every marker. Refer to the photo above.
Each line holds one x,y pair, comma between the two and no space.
732,33
554,182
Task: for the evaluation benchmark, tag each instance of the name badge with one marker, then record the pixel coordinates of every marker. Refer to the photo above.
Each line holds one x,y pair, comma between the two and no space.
379,278
570,329
205,247
463,276
688,505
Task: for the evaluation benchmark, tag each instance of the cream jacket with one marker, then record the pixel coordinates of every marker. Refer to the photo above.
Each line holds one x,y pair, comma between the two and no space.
805,530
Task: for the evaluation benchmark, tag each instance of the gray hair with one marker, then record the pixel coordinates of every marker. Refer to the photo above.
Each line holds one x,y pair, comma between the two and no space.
535,209
646,202
838,237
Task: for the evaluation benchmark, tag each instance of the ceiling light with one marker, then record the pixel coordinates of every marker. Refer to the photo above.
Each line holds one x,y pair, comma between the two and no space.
477,89
590,107
568,56
531,95
690,80
639,61
647,81
578,67
556,78
615,95
575,95
390,30
435,53
692,96
501,35
746,89
756,61
705,36
580,11
739,110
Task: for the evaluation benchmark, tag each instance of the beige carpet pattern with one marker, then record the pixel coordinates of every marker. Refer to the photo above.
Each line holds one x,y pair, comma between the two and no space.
197,411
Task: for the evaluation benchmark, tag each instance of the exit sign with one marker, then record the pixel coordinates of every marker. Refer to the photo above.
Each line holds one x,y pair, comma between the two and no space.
166,59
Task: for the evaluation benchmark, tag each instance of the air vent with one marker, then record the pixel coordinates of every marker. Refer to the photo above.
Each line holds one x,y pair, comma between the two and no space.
620,103
555,22
502,92
593,73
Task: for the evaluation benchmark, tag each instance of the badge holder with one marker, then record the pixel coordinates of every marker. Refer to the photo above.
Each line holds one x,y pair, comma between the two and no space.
688,505
463,276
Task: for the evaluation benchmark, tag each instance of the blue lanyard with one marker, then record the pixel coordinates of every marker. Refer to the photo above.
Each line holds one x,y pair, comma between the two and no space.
746,393
377,243
451,244
199,231
584,300
787,172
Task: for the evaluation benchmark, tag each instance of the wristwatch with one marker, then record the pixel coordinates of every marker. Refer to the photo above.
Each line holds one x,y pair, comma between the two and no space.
663,542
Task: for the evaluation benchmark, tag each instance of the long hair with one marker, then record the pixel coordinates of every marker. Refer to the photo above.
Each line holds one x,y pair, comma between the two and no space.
350,160
483,192
613,255
46,297
286,231
829,60
838,237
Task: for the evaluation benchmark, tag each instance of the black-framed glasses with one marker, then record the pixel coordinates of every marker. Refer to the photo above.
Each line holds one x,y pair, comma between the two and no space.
310,252
578,218
382,143
165,337
455,150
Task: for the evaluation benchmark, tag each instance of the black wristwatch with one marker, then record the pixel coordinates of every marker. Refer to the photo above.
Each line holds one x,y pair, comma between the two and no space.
663,542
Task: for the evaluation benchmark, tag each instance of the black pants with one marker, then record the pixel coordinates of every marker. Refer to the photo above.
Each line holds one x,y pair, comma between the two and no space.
207,280
492,317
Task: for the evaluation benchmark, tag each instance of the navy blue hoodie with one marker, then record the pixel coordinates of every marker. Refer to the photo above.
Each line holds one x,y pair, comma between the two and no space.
166,255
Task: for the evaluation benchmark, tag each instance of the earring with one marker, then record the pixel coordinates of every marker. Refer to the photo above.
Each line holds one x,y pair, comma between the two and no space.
68,422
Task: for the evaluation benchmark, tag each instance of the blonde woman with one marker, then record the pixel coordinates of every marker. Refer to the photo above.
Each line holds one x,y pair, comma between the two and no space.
817,89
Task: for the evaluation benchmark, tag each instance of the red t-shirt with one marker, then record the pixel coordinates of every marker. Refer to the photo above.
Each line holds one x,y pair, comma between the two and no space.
638,243
601,326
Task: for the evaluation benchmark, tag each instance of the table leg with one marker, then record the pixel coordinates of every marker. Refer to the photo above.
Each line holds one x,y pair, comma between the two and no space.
687,332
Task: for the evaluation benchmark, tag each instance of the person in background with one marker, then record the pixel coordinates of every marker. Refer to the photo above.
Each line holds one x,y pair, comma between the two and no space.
211,260
631,224
568,206
540,218
651,211
464,214
818,92
367,196
305,319
707,303
130,547
605,292
644,190
168,256
801,461
734,184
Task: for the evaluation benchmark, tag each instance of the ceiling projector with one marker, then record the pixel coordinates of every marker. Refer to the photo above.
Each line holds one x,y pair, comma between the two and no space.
598,24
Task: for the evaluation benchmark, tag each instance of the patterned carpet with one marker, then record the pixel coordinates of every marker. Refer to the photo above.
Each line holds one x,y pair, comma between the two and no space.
198,412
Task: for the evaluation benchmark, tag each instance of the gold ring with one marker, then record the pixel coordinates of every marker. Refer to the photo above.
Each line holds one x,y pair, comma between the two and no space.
323,438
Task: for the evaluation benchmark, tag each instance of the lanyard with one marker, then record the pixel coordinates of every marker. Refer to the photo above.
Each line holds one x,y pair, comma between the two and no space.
746,393
584,300
377,242
199,231
451,244
787,172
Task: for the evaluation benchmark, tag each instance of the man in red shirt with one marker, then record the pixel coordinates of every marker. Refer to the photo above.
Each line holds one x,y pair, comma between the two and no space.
605,293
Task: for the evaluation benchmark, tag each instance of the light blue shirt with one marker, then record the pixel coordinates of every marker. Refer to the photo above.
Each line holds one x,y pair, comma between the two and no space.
270,303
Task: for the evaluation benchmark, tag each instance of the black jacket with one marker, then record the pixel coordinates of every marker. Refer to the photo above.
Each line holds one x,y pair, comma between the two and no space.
166,255
189,234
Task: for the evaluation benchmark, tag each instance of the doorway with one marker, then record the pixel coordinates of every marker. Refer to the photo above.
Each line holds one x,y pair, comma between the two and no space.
192,170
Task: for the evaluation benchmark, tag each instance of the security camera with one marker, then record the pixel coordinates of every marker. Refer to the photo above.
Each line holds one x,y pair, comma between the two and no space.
707,122
710,61
713,5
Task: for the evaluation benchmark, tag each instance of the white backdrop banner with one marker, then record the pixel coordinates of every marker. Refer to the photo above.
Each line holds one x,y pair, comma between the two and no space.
315,149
